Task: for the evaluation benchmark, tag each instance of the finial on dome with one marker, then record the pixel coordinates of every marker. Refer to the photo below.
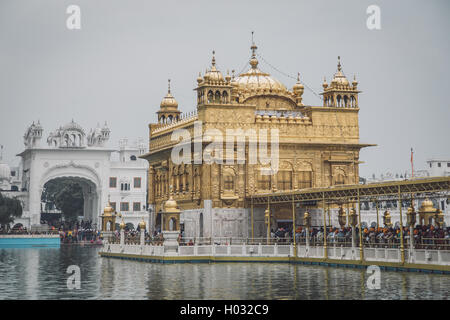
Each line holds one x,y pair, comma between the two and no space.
168,85
213,59
324,84
339,63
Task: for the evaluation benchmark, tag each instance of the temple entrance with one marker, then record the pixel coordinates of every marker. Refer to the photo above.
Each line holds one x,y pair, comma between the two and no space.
285,224
68,201
282,218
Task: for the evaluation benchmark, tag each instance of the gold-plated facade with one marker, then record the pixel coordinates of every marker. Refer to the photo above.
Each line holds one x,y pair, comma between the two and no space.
318,145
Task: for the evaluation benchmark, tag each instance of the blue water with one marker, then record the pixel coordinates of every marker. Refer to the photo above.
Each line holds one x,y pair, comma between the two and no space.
30,242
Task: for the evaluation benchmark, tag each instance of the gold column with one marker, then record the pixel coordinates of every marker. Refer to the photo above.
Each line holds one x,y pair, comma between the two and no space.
402,248
325,251
361,248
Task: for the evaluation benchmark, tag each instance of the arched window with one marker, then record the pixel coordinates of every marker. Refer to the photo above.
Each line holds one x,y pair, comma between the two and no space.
340,179
284,180
210,96
228,182
264,181
133,158
304,179
217,97
162,119
346,101
338,98
224,97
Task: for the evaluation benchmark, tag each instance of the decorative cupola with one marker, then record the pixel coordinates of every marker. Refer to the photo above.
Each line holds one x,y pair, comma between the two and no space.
340,94
298,90
213,88
108,219
168,111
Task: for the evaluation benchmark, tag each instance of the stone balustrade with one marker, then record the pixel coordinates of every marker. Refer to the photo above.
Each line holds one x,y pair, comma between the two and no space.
376,255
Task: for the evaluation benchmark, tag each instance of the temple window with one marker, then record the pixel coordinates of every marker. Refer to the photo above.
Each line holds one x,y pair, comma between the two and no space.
284,180
224,97
264,181
228,182
304,179
340,179
210,96
217,97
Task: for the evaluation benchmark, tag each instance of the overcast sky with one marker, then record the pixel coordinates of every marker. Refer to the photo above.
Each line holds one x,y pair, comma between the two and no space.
116,67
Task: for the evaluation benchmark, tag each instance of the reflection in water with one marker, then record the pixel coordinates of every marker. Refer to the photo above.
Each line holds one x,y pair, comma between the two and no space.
41,274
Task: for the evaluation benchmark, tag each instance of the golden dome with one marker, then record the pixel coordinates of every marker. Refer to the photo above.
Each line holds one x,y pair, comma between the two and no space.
122,225
108,211
142,224
213,75
427,206
171,205
339,77
169,101
256,80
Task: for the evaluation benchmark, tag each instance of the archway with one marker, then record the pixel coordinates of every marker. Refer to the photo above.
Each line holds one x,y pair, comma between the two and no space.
70,199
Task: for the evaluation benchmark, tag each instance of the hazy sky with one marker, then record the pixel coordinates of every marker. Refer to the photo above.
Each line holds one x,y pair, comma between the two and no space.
116,67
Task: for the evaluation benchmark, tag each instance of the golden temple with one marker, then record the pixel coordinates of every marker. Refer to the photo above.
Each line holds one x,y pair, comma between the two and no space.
318,147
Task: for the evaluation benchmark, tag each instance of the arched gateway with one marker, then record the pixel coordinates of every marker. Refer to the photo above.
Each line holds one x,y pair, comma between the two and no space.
69,155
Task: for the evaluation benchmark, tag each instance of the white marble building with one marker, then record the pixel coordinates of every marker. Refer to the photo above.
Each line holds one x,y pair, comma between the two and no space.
70,153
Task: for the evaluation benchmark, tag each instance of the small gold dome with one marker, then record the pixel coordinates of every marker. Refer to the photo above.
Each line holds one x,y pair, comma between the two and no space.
171,205
298,87
354,82
325,84
142,224
228,77
213,75
169,101
427,206
108,211
122,225
339,77
199,78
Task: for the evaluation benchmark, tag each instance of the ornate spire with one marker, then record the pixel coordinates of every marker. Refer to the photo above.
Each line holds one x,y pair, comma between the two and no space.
253,60
253,47
168,85
213,62
339,63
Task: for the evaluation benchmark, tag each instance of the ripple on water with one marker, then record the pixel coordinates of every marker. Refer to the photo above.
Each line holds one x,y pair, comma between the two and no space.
41,274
